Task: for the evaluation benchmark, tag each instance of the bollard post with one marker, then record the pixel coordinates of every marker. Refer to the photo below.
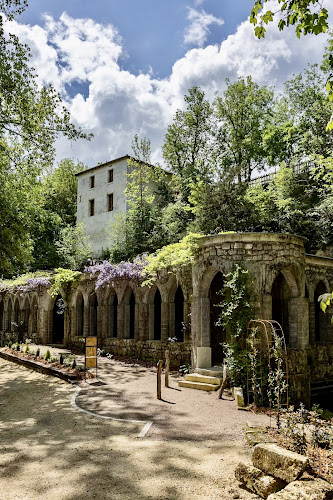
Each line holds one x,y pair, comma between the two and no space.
167,367
159,374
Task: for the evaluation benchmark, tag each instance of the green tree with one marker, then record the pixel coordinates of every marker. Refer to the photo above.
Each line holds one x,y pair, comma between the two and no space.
308,17
244,112
187,149
73,247
31,119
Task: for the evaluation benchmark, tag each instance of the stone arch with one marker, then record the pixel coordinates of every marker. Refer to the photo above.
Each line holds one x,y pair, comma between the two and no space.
112,312
290,276
79,314
58,321
320,319
93,308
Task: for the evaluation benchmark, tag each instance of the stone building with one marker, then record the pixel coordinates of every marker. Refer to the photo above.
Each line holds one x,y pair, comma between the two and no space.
101,197
136,322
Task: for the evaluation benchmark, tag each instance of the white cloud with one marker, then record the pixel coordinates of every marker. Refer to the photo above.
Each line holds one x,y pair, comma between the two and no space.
198,29
119,104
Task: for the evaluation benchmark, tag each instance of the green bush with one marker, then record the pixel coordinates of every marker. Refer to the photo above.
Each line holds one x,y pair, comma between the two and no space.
47,355
27,349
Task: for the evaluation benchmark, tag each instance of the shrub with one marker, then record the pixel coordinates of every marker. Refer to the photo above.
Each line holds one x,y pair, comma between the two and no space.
10,343
18,347
61,359
74,364
27,349
47,355
37,353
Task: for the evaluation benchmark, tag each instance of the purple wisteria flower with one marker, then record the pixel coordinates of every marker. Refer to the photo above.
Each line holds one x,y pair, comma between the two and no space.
33,284
108,272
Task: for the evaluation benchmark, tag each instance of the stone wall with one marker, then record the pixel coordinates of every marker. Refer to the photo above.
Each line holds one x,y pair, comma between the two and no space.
150,351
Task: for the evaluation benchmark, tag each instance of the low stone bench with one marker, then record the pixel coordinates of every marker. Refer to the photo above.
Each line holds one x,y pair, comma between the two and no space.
279,462
305,489
257,481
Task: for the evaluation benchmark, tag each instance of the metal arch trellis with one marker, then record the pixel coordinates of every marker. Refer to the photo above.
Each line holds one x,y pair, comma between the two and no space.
271,347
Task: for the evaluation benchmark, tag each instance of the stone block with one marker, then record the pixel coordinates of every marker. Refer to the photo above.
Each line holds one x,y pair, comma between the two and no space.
257,481
239,396
305,489
204,357
279,462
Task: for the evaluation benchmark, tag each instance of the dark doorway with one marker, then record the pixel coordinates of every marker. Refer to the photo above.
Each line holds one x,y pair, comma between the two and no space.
79,314
58,321
179,314
93,304
157,315
132,315
115,316
217,333
9,316
280,304
320,318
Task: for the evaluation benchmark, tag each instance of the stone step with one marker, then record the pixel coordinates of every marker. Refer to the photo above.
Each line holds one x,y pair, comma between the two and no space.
197,377
198,385
214,371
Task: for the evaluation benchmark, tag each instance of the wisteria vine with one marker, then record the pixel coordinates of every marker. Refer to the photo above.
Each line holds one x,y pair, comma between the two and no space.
108,272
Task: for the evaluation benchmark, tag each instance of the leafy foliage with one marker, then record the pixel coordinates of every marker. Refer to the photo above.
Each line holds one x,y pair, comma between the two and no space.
173,258
73,246
63,279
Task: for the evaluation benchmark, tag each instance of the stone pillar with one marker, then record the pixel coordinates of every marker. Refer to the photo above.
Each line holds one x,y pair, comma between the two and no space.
102,322
298,323
205,322
127,313
172,326
312,328
120,321
266,307
151,321
86,325
187,322
164,321
43,326
143,333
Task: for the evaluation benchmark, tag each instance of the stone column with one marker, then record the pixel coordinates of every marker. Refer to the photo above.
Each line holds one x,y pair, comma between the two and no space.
43,326
127,313
266,307
187,322
298,323
102,322
164,321
172,326
86,325
312,327
150,322
205,321
121,321
143,333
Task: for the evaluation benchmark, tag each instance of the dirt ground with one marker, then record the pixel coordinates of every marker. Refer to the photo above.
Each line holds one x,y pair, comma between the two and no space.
50,449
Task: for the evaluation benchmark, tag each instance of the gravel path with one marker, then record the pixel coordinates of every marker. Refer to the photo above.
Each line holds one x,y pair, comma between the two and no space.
51,450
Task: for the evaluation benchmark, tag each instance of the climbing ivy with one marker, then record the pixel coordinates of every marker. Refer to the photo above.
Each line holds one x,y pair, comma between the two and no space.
236,308
62,280
174,257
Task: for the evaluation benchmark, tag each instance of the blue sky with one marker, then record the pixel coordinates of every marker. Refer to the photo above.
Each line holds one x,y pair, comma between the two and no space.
123,67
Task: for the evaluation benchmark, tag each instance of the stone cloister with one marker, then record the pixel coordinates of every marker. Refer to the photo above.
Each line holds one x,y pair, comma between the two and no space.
136,322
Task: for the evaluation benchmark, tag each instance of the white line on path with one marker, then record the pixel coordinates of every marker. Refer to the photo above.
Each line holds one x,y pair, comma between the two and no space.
141,434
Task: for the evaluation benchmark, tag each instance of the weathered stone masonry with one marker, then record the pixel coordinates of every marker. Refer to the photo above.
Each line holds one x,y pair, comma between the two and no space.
135,321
